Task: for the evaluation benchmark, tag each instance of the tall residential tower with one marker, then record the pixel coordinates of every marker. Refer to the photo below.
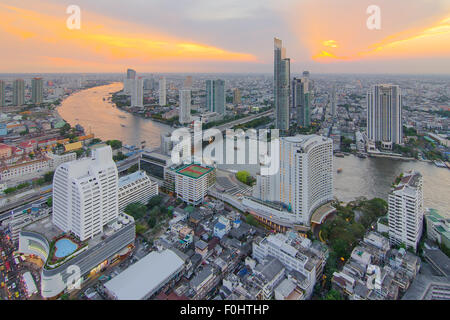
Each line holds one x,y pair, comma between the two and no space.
185,106
281,79
18,92
37,90
405,213
162,91
85,194
215,96
301,102
384,115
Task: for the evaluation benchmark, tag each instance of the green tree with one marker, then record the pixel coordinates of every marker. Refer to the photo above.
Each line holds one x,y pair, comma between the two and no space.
115,144
136,210
48,177
333,295
151,222
251,220
155,201
133,168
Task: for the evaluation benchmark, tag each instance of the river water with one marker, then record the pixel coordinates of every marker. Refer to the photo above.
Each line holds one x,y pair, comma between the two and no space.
370,177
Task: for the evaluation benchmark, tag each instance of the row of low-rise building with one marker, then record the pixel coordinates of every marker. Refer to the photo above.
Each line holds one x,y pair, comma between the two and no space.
374,271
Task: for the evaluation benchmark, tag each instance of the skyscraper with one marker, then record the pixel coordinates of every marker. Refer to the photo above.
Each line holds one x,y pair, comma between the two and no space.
333,101
185,106
384,115
137,92
85,194
18,92
37,90
188,82
131,74
128,82
405,210
2,93
281,85
305,177
301,102
162,91
215,96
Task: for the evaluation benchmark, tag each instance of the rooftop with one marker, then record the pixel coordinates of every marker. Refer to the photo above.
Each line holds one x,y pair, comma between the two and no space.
133,177
145,276
193,170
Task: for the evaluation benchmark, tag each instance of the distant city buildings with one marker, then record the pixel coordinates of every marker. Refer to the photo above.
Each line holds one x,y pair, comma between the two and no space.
405,210
185,106
128,82
37,87
137,92
162,91
384,115
18,92
188,82
2,93
236,96
281,85
215,96
301,101
333,101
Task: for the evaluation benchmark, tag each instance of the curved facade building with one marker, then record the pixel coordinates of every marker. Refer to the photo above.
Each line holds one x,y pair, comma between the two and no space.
90,257
304,181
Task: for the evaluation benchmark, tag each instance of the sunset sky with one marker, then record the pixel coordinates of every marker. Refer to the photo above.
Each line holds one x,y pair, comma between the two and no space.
224,36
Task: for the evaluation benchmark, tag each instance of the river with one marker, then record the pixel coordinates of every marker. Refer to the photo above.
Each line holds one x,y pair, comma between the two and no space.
370,177
107,122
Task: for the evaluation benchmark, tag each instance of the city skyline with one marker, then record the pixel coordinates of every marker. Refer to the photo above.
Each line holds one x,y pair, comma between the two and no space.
203,40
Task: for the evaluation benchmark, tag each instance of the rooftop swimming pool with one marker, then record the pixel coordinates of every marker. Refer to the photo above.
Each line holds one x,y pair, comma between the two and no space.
65,247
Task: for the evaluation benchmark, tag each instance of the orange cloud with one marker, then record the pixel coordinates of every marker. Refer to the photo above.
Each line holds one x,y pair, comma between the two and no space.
102,40
430,41
315,22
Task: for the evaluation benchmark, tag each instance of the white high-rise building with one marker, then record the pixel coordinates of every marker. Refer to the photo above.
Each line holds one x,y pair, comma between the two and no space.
128,82
384,115
162,91
85,194
136,187
185,106
137,93
405,213
304,180
166,143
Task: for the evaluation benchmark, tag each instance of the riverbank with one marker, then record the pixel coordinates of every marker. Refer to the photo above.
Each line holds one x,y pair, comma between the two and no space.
91,109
